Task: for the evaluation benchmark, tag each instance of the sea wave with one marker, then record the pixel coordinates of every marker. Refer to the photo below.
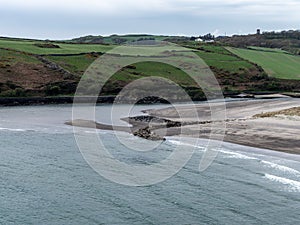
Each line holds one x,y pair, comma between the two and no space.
291,185
175,142
236,155
12,129
229,154
91,132
280,167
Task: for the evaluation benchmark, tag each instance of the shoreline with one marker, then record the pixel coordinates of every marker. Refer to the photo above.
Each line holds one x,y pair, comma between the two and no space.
242,127
37,101
250,150
109,99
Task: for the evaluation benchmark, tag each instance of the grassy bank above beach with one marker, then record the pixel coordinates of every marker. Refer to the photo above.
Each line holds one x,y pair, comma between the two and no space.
35,68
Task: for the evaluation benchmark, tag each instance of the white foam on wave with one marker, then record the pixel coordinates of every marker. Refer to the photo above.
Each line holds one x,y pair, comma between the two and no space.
236,155
291,185
11,129
90,132
281,168
175,142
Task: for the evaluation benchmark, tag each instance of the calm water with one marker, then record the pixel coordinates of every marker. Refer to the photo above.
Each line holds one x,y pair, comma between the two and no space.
45,180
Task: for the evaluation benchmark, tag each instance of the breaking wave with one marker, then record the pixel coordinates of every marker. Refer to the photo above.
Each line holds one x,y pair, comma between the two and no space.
290,185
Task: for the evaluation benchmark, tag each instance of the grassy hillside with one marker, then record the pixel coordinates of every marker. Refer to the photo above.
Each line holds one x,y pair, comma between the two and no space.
30,47
76,64
233,73
124,39
215,56
39,68
276,63
278,50
24,75
286,40
220,58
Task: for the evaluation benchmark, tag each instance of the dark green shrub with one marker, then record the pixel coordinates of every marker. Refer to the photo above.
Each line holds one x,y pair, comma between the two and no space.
53,90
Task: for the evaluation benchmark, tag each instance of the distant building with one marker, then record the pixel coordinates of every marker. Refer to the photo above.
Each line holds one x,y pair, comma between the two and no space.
209,41
199,39
258,32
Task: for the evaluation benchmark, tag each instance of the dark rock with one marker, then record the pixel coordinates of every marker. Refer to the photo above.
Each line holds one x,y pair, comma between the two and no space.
147,134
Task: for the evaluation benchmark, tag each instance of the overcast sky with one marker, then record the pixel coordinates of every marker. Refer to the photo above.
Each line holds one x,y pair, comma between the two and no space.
63,19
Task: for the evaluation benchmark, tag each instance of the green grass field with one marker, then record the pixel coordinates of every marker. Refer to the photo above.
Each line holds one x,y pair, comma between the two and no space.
276,64
214,56
267,49
10,57
28,46
145,69
224,62
76,64
234,68
132,38
217,57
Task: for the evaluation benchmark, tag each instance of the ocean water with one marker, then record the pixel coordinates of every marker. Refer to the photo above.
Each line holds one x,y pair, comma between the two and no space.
45,180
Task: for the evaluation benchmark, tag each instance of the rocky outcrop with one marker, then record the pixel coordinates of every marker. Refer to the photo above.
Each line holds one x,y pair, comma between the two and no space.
54,66
155,121
147,134
139,129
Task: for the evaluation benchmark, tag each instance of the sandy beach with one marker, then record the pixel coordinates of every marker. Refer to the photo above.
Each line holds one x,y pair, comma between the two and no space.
263,123
246,125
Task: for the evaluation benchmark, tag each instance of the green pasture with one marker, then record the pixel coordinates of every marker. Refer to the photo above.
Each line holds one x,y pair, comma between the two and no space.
276,64
28,46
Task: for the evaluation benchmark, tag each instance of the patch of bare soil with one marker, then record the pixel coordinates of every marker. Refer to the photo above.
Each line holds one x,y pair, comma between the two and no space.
29,76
